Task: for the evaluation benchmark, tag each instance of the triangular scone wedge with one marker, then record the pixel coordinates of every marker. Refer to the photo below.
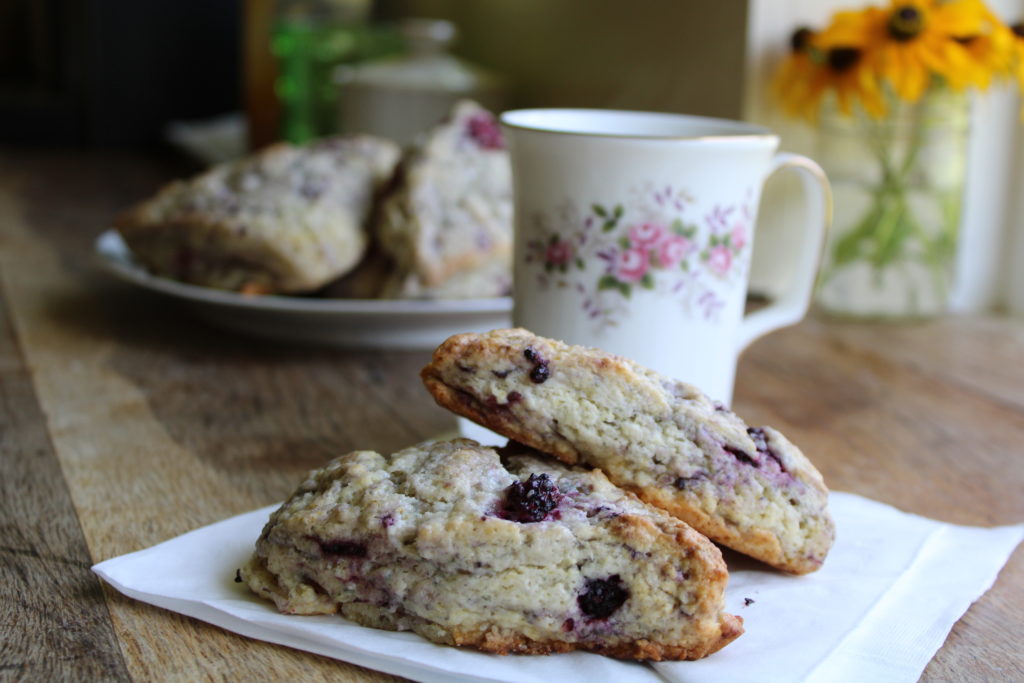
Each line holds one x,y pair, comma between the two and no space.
286,219
513,554
747,488
446,222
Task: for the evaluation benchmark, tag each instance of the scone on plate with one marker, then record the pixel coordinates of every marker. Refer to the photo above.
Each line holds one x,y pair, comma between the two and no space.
446,222
285,220
747,488
512,554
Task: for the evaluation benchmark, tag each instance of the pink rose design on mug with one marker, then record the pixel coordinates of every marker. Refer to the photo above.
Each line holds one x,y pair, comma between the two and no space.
647,235
738,237
672,251
719,259
631,265
558,254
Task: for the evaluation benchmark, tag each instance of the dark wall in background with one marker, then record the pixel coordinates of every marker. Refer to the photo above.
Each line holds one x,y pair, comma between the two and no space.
112,73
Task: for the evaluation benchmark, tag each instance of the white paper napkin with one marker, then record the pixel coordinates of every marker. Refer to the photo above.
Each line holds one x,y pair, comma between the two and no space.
890,591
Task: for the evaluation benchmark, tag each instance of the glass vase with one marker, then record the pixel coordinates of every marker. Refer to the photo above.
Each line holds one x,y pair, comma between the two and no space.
898,184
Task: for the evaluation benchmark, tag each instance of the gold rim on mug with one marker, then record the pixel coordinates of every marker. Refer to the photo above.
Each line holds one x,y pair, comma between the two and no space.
753,131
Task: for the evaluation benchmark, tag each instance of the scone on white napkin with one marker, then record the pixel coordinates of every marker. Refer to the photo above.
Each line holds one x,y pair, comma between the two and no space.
887,597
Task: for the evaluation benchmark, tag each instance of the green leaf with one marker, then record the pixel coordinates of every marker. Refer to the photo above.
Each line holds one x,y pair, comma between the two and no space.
647,282
624,242
580,264
618,211
625,289
677,228
563,267
685,266
599,210
548,266
608,226
607,282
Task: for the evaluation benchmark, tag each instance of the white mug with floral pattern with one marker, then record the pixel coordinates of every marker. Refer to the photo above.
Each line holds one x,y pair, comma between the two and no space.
634,233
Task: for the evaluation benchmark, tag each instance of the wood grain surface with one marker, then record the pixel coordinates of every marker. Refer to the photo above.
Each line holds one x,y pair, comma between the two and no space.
125,422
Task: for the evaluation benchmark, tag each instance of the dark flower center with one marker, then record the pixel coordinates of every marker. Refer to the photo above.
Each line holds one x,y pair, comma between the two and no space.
905,23
800,39
1018,29
840,59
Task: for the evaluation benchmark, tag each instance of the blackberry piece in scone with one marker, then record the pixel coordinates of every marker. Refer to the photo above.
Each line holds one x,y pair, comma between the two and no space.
747,488
287,219
511,554
446,222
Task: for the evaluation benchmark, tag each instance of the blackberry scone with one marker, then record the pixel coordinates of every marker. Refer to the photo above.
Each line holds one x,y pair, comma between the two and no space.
446,221
285,220
747,488
512,554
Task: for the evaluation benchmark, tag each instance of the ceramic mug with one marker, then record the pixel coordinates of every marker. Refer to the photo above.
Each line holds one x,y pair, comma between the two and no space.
634,233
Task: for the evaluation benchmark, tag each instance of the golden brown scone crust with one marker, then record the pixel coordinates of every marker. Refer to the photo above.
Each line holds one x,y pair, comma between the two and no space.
747,488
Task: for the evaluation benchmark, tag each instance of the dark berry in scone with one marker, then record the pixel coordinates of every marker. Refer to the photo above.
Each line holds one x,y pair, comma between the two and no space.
510,554
748,488
286,219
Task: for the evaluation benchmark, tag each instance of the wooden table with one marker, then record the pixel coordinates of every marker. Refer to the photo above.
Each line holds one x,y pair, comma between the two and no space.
123,422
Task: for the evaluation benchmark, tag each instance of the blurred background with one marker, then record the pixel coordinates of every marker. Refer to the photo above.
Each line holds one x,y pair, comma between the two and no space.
218,77
114,73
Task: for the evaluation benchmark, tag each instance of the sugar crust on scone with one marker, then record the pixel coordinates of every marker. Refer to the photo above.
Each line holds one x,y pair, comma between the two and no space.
286,219
431,540
747,488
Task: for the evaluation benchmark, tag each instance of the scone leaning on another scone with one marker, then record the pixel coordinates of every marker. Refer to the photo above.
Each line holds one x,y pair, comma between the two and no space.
519,554
287,219
446,222
747,488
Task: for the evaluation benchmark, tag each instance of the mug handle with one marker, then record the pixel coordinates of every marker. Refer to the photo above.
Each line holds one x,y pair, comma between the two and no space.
791,306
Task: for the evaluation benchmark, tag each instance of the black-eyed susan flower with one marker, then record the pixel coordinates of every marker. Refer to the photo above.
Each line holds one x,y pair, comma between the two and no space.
989,47
793,83
814,69
902,49
915,41
1018,52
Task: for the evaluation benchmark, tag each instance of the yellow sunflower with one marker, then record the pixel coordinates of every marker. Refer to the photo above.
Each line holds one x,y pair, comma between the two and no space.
812,70
844,52
795,75
990,50
899,50
1018,52
911,41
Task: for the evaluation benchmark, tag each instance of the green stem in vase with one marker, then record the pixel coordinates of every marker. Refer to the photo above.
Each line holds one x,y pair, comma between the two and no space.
890,233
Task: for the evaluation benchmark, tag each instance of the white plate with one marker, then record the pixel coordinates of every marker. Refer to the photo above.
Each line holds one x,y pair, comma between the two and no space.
350,323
